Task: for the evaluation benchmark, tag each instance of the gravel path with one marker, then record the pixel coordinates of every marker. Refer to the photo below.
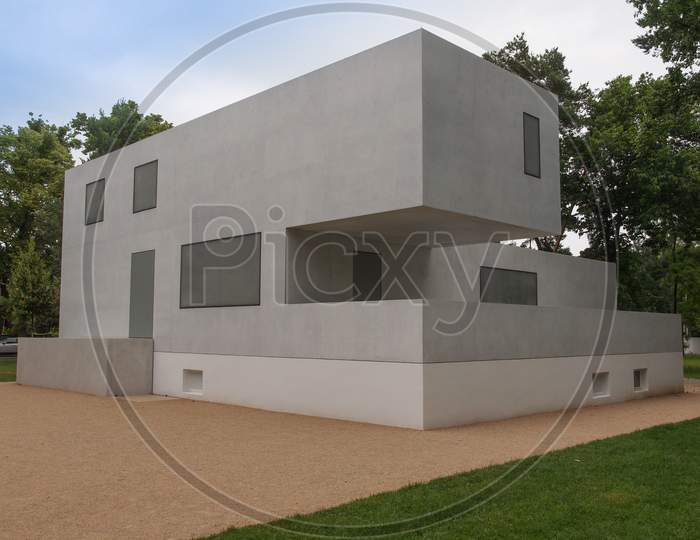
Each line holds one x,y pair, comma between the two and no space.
71,467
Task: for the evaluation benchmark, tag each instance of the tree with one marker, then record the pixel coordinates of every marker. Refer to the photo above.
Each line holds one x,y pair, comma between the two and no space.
124,125
549,71
33,161
32,293
672,30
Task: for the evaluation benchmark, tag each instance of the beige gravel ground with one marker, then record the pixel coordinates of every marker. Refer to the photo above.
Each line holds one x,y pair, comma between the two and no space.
71,467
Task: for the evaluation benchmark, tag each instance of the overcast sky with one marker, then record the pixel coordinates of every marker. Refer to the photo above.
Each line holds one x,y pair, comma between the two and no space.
61,57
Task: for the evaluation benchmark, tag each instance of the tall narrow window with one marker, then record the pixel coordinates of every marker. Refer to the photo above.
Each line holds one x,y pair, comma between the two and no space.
94,201
531,137
145,186
367,276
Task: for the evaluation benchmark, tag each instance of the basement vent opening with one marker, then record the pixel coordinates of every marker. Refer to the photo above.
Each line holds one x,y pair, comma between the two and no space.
601,384
640,380
192,381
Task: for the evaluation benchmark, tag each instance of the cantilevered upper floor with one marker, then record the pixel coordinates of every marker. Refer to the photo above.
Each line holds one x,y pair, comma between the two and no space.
415,133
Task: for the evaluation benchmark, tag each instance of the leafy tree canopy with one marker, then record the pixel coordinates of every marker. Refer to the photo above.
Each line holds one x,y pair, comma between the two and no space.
33,160
104,133
672,30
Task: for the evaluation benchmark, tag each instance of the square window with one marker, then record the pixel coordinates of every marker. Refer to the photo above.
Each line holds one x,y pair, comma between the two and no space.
601,384
220,273
94,201
531,138
145,186
639,378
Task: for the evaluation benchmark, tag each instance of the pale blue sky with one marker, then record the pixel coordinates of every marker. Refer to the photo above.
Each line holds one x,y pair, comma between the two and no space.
61,57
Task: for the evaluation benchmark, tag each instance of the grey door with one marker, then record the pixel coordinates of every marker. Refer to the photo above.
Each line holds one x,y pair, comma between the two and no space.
141,295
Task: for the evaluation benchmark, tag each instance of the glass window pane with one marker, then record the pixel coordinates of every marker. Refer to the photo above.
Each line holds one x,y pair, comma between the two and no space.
94,201
223,272
508,286
145,186
531,135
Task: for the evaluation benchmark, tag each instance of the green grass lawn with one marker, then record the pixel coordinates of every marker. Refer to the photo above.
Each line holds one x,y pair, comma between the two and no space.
642,485
691,366
8,368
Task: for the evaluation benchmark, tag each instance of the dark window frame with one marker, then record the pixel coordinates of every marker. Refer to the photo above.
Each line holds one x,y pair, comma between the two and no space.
539,147
183,246
482,290
133,189
87,204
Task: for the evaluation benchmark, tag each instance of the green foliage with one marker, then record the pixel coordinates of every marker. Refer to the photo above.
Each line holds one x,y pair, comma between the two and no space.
124,125
33,160
32,293
8,369
549,71
691,366
672,30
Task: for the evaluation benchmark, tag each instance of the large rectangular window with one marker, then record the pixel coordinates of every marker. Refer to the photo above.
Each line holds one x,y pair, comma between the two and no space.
531,137
367,275
223,272
94,201
145,186
508,286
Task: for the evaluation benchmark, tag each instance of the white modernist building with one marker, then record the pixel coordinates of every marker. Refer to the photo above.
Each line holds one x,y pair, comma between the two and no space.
331,247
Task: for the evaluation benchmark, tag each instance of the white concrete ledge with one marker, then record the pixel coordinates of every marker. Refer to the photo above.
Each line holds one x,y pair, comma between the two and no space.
419,396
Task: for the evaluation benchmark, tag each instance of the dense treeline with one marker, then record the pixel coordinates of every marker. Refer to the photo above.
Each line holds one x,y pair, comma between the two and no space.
630,172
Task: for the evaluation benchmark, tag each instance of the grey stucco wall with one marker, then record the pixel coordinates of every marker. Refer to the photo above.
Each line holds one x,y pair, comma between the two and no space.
503,331
71,364
473,140
337,142
358,138
453,274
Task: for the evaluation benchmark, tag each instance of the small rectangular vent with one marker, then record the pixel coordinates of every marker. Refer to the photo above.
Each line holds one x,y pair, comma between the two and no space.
640,380
192,381
601,384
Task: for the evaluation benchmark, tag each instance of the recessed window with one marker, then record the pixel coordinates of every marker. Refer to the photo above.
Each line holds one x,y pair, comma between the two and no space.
531,137
601,384
503,286
222,272
639,378
94,201
145,186
367,276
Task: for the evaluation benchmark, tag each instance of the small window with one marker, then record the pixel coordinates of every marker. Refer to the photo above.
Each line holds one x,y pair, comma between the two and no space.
367,276
145,186
531,137
640,380
94,202
220,273
601,384
502,286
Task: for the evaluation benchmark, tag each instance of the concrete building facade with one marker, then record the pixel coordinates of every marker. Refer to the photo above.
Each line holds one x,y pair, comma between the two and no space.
333,246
